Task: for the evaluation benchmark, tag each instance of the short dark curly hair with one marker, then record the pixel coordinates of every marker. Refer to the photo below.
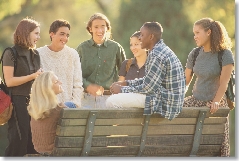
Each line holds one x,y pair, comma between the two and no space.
57,24
155,28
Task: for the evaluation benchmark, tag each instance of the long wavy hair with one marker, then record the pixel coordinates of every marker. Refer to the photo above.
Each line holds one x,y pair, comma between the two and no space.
22,32
219,38
42,98
100,16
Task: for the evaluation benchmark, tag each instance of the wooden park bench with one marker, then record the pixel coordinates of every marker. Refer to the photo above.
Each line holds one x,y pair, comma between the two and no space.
127,132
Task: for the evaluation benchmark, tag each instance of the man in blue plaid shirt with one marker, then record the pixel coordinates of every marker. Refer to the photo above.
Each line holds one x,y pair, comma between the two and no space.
162,89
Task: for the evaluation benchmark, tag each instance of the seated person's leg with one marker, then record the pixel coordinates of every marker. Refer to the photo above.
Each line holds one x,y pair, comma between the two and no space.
88,101
100,101
123,100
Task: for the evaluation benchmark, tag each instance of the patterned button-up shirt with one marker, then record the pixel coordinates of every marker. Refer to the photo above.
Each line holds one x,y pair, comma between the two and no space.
163,84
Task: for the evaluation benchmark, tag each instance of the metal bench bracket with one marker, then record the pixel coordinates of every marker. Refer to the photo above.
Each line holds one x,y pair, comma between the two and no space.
89,133
198,133
144,134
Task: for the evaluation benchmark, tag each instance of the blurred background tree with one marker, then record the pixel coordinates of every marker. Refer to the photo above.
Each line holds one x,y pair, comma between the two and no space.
126,16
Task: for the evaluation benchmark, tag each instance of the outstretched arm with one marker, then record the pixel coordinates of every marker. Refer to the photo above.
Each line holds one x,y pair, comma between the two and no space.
156,72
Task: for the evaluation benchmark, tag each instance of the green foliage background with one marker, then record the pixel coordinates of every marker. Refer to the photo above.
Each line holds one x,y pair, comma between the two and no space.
126,16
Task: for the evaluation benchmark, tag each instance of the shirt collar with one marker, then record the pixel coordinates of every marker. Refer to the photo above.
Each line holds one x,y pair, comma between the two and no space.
92,43
158,43
23,51
134,62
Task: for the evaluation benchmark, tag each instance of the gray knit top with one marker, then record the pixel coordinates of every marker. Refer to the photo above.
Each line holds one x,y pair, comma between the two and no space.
207,70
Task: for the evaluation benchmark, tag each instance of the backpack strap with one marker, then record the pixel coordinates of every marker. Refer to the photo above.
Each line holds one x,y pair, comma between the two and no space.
14,56
220,54
230,88
195,54
128,64
14,52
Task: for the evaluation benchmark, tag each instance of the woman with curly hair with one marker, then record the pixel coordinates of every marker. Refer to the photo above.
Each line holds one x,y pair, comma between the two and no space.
211,83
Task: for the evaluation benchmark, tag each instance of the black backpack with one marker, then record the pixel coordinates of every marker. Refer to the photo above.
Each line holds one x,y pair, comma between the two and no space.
14,58
231,84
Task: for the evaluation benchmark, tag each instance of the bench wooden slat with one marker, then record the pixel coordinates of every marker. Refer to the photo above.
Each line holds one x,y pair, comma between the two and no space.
162,140
138,121
187,112
180,129
133,150
136,130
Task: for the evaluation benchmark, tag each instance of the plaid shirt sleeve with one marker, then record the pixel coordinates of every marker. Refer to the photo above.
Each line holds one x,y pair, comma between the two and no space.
155,73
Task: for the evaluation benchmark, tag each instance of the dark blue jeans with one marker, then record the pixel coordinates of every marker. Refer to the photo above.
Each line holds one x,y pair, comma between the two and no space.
19,131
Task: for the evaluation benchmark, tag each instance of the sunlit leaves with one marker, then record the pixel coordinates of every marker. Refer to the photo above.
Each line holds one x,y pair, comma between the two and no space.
10,7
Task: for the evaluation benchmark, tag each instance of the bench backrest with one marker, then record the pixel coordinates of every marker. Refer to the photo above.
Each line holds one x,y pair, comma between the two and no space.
127,132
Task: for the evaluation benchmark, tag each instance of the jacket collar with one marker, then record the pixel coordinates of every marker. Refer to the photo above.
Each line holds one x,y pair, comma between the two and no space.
23,51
